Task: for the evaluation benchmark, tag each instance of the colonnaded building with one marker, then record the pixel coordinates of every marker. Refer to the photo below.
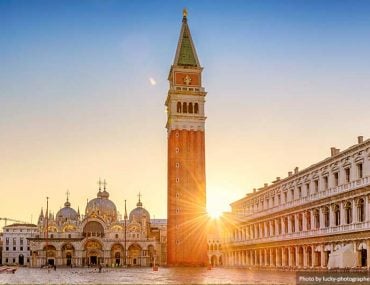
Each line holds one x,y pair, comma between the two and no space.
99,236
316,217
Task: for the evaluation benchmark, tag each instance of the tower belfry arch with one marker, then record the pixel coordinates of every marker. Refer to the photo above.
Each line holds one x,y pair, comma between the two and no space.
186,239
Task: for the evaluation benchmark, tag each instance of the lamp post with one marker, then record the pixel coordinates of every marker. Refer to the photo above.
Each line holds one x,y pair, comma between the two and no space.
125,217
47,230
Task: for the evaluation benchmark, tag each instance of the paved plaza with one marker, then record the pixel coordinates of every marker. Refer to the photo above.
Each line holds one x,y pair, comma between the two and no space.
146,276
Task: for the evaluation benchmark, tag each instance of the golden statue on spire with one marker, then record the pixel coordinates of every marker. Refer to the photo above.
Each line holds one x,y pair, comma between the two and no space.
185,12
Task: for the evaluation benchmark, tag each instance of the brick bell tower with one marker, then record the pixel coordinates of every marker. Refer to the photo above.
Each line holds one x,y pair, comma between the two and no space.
186,237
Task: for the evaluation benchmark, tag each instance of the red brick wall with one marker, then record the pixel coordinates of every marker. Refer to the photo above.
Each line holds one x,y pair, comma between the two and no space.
188,195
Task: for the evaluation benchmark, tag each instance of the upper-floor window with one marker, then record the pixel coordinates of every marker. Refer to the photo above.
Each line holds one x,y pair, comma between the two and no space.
285,197
359,170
348,174
337,215
336,178
325,211
190,108
326,183
21,241
299,192
178,107
292,194
7,241
308,188
348,212
360,210
196,108
316,215
279,199
308,221
184,108
316,185
14,241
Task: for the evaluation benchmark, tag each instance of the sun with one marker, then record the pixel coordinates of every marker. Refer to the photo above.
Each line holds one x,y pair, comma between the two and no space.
214,213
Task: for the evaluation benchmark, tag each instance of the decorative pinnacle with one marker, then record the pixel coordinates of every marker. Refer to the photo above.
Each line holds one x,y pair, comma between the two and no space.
67,194
99,183
184,15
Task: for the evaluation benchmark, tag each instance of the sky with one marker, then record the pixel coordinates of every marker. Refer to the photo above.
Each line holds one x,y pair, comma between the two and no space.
83,86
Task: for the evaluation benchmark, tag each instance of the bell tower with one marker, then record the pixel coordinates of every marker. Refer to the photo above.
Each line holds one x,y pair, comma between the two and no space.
186,185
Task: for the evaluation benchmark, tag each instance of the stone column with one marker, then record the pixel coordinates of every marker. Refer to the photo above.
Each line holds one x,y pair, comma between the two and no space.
354,211
323,257
304,220
366,208
368,253
342,213
331,216
322,220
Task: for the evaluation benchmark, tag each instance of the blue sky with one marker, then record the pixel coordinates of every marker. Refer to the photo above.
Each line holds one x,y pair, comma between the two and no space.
286,80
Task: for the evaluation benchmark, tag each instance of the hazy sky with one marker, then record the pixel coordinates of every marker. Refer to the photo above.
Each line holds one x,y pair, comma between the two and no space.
286,80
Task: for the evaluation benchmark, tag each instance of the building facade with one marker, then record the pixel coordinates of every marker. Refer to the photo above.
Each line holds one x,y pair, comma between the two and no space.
98,237
317,217
16,246
186,241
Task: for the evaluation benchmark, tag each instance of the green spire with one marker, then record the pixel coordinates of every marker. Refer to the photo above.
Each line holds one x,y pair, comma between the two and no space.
185,53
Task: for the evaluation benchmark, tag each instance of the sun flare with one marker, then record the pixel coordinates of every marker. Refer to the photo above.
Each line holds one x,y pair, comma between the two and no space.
214,213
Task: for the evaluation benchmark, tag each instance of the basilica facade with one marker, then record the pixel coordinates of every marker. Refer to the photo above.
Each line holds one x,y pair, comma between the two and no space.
318,217
99,236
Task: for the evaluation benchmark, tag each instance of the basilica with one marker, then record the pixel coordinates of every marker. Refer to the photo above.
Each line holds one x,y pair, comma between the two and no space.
99,236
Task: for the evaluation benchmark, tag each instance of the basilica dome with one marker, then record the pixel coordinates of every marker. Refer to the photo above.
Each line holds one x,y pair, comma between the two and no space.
102,206
139,213
67,213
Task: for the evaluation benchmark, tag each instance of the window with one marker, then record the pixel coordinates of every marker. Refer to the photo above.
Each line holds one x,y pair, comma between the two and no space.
13,260
316,214
190,108
292,224
292,194
285,225
326,183
308,188
300,223
337,215
359,170
14,248
279,199
178,107
196,108
7,241
184,108
7,248
326,217
348,213
299,192
316,185
14,241
336,178
116,235
69,235
6,260
21,248
360,210
21,241
308,220
348,173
